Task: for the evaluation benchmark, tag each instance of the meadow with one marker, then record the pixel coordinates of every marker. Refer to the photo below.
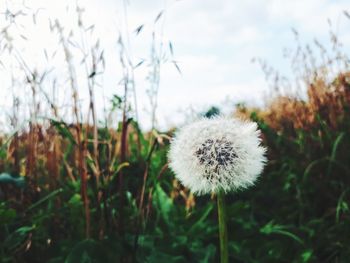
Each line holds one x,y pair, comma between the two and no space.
88,190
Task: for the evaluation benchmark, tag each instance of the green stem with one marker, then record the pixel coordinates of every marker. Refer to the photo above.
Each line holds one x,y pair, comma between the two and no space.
222,228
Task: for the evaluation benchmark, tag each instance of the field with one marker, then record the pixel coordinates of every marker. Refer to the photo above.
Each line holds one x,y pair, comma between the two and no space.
88,190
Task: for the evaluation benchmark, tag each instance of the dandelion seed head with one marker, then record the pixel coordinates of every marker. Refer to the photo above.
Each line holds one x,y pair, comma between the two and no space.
218,154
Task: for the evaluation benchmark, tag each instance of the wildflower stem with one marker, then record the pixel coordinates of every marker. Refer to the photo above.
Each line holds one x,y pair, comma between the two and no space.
222,228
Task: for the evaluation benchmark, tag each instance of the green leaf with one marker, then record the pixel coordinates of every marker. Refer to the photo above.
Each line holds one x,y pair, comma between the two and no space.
63,130
271,228
17,238
161,257
334,151
306,256
7,215
87,251
42,200
163,202
201,221
342,206
204,254
75,200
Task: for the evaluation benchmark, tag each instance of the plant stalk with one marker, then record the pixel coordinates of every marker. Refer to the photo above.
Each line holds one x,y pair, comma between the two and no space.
222,227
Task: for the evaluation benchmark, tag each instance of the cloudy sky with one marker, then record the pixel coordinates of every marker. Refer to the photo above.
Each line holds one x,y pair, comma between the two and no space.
213,42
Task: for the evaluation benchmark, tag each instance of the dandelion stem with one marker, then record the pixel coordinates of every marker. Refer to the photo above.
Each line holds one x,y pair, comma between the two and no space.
222,228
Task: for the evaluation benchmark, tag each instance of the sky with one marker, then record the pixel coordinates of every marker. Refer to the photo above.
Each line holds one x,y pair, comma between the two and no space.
213,43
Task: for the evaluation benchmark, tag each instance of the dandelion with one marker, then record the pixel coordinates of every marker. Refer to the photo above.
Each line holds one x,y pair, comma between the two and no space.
217,155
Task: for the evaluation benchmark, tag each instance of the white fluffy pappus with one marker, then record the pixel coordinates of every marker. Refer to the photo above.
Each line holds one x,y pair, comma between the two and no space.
217,154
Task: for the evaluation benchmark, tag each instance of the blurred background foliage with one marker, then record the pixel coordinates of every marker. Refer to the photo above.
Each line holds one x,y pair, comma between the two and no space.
83,191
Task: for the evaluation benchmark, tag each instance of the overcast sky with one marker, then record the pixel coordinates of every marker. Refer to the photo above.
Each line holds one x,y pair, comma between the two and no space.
213,41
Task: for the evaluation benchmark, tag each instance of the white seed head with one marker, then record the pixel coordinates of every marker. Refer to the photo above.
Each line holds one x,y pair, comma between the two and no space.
218,154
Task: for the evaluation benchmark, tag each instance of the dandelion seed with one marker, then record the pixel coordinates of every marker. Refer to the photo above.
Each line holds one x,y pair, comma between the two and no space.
218,154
